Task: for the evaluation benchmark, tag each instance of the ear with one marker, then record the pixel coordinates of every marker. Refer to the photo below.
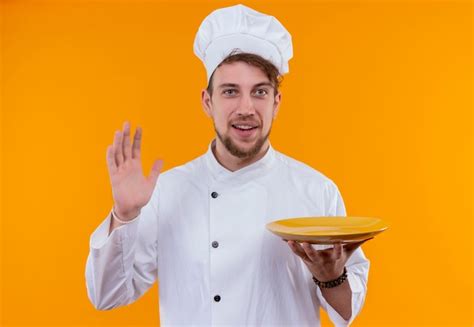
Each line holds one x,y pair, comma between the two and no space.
206,102
276,104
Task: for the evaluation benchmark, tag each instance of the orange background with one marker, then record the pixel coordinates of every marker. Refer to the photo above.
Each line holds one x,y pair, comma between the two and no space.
378,98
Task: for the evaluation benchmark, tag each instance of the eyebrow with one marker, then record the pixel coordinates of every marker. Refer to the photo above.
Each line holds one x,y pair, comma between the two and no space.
237,85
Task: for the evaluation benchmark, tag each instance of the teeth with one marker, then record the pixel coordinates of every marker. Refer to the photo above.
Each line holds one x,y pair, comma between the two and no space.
244,126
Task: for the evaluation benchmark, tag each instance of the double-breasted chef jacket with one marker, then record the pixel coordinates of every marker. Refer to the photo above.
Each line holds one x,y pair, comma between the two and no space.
202,236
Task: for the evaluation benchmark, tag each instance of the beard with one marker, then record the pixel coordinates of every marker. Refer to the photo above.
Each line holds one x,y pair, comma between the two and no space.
239,152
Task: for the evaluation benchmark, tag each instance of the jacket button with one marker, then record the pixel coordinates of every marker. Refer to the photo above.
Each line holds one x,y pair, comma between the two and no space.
215,244
217,298
214,195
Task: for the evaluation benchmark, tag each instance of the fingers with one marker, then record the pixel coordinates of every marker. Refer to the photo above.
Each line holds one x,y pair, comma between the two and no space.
117,148
307,252
298,250
336,253
121,148
155,171
314,255
127,150
137,140
111,164
349,248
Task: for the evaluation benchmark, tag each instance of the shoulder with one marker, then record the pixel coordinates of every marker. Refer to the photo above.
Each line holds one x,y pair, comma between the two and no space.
189,173
187,170
311,184
303,173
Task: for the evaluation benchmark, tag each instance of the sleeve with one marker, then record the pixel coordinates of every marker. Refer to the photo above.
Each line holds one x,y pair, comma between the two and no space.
122,266
357,267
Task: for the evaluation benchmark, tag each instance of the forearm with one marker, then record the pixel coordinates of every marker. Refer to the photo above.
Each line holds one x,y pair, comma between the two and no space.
340,298
105,267
114,276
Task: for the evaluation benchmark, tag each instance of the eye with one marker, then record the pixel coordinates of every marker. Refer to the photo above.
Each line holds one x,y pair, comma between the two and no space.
229,92
261,92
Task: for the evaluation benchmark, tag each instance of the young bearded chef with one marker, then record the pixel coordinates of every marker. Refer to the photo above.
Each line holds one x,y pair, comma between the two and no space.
200,228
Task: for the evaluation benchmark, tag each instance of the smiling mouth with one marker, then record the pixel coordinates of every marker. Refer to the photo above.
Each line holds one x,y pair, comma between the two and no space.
244,127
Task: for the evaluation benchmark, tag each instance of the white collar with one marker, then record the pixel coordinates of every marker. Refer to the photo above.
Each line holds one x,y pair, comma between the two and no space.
258,168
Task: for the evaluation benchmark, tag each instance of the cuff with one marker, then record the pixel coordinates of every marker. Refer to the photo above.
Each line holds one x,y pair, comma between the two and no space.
100,237
357,291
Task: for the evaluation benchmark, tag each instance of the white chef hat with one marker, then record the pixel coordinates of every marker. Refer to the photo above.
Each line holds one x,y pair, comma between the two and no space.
242,29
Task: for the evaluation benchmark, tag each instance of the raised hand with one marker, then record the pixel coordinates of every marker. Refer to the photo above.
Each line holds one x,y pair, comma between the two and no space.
131,190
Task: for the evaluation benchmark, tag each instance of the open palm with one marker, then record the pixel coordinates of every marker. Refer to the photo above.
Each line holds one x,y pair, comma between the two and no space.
131,190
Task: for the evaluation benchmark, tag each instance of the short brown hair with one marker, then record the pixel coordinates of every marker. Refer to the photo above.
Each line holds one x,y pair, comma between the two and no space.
255,60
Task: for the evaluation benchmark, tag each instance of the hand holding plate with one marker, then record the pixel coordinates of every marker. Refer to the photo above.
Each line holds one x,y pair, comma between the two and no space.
326,264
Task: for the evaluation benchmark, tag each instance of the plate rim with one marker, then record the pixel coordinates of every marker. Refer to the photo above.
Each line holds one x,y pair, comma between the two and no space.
385,227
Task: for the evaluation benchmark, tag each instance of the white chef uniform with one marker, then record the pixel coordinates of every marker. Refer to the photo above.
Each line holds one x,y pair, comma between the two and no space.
202,235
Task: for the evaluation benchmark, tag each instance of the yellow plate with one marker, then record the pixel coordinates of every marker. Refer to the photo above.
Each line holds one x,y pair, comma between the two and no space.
327,230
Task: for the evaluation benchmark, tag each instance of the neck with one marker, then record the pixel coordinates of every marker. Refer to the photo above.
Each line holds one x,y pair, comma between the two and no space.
233,163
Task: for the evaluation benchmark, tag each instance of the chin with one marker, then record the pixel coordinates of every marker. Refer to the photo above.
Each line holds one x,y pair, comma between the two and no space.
243,148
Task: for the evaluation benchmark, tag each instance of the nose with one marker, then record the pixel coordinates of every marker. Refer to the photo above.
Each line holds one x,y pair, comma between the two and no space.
246,106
